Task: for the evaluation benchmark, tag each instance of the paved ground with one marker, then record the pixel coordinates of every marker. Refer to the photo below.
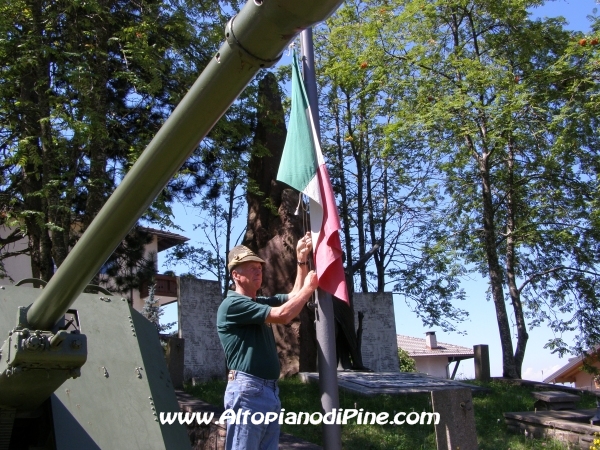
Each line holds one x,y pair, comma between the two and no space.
289,442
373,383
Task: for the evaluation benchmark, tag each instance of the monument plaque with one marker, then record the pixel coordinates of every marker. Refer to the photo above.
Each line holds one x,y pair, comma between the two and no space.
391,383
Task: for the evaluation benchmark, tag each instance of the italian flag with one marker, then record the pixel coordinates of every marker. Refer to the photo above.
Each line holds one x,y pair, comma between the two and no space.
303,168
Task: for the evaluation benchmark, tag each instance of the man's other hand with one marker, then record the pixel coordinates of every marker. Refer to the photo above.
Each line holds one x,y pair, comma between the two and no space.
311,281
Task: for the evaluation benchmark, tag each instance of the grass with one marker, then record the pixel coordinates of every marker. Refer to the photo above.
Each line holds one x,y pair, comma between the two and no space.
489,421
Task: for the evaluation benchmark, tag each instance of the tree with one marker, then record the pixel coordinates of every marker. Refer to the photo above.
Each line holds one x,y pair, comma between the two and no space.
383,180
219,174
84,86
129,266
153,313
216,227
491,95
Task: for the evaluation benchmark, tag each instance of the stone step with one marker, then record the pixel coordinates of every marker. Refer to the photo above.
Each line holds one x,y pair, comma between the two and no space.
571,427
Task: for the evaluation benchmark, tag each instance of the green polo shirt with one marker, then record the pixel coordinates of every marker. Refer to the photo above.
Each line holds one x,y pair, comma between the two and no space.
247,340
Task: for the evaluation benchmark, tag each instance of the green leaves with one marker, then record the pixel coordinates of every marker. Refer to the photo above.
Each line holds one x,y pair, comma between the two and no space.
501,111
84,86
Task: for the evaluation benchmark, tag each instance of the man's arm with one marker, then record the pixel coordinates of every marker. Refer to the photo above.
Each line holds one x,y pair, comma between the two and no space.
290,309
303,249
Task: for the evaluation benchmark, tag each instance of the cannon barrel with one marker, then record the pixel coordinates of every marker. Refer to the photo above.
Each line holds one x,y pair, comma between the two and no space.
255,38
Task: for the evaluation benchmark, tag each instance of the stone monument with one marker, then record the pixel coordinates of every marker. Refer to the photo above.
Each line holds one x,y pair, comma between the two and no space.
175,360
482,362
456,428
378,341
199,301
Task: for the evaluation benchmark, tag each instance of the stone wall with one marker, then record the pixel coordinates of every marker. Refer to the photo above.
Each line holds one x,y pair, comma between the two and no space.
199,300
379,346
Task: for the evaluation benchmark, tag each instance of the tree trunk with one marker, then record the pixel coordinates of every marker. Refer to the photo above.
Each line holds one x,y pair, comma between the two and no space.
360,207
344,207
98,141
509,369
35,88
515,294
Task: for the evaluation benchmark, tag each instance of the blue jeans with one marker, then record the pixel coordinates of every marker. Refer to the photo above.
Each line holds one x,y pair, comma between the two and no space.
252,395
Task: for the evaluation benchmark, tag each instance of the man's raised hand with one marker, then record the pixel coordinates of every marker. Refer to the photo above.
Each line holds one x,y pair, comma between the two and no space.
304,248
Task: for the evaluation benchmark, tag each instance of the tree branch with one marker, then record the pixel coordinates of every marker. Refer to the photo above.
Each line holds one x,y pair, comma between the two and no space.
11,254
14,236
362,261
554,269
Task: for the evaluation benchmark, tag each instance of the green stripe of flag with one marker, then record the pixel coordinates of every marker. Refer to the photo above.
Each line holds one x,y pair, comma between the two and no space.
298,161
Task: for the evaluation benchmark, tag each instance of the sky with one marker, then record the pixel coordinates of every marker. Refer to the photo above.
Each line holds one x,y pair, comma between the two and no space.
481,327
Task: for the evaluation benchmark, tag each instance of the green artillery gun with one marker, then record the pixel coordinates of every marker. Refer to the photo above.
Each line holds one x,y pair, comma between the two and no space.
86,371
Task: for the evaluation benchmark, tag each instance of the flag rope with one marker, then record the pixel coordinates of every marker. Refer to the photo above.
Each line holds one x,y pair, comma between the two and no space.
305,205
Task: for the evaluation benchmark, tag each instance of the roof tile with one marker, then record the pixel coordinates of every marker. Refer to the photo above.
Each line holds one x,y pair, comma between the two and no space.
417,347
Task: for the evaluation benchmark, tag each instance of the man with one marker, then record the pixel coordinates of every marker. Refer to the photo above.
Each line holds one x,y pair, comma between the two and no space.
243,323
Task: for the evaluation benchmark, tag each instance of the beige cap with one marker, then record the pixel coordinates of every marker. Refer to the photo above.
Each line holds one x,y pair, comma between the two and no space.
241,254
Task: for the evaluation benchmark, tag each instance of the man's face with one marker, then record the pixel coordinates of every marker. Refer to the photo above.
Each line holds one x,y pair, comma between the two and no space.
249,275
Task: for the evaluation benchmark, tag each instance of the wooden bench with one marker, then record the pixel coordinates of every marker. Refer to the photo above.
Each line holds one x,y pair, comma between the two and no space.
554,400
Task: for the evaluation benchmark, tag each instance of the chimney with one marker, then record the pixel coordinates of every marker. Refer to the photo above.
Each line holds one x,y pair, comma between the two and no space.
430,340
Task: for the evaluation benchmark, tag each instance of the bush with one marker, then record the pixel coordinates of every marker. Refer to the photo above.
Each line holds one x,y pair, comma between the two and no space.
407,364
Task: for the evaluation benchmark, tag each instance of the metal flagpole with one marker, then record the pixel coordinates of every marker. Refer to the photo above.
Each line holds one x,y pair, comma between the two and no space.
325,320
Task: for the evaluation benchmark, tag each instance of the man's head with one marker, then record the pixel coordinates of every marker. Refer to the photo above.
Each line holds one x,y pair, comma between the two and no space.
241,254
246,269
